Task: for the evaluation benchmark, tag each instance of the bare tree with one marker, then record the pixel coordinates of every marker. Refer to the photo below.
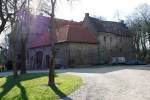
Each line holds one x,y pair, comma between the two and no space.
24,20
17,7
4,14
7,11
139,24
50,10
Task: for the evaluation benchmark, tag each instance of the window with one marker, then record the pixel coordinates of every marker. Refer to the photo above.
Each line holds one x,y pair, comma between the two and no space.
32,58
110,39
104,38
47,57
120,40
120,49
116,46
111,50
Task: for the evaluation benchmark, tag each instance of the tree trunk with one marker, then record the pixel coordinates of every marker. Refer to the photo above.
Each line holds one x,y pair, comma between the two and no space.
23,58
15,69
51,81
2,26
3,15
15,74
13,49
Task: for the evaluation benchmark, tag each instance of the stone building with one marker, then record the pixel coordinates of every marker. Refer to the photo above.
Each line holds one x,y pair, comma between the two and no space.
114,38
75,45
89,42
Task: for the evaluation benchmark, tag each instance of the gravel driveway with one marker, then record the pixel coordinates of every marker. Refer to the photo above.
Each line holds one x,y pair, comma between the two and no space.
113,83
109,83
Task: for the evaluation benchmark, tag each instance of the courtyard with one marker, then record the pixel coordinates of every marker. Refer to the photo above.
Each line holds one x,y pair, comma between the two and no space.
109,82
74,50
113,83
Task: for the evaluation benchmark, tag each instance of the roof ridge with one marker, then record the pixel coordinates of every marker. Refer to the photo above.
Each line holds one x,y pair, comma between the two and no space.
104,20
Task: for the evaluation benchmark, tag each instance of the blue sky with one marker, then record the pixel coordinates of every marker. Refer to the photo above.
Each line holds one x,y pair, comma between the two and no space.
105,8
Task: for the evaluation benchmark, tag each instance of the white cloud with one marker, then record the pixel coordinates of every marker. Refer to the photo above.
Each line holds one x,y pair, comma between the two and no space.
106,8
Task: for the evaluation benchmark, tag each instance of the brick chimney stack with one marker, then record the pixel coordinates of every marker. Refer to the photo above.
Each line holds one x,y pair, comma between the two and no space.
86,14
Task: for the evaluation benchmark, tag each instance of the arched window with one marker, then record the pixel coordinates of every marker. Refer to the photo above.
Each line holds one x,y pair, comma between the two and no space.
47,61
39,58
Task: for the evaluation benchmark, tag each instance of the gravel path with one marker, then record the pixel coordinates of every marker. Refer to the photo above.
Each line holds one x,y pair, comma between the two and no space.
109,83
120,83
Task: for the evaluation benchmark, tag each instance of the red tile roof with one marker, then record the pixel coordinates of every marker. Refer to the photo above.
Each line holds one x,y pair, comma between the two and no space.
43,40
75,33
69,33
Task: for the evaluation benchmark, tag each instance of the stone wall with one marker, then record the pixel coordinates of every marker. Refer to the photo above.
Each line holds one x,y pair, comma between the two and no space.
62,54
31,62
73,54
112,45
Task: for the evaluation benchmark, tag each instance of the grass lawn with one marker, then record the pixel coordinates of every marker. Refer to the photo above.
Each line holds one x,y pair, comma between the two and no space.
34,87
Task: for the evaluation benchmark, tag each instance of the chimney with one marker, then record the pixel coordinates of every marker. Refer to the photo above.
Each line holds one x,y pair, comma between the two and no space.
123,23
86,14
41,14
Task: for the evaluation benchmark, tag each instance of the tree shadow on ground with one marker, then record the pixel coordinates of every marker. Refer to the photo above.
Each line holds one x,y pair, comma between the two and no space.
60,93
11,82
23,91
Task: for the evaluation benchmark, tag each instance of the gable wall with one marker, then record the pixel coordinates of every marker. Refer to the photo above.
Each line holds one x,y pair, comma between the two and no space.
88,25
114,46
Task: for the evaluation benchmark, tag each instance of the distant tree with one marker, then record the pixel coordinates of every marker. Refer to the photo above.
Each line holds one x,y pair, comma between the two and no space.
4,14
16,7
7,10
139,24
4,50
24,31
